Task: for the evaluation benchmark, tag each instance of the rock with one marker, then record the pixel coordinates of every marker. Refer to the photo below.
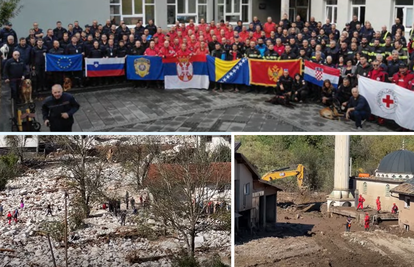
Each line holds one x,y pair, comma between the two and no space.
199,241
23,192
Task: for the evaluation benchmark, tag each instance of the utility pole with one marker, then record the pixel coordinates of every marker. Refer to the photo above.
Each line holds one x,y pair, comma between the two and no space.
51,250
66,228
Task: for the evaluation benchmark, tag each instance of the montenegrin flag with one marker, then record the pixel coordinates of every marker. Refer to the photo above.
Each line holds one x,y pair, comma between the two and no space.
186,72
63,62
223,71
389,101
101,67
316,73
268,72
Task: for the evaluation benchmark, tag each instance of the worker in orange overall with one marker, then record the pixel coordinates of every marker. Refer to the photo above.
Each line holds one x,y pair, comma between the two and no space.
394,209
378,205
360,202
366,221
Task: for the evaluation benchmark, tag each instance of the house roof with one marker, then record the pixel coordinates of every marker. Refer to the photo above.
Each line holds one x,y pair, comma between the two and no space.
237,144
240,158
219,171
406,188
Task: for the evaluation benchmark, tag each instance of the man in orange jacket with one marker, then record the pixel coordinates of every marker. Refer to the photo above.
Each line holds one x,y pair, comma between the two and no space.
360,202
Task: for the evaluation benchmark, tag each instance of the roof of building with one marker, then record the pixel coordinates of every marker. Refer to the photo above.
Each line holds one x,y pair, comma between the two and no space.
216,171
237,144
406,188
400,161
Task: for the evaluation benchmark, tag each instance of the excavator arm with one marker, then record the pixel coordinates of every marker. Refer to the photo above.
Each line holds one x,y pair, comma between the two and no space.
280,174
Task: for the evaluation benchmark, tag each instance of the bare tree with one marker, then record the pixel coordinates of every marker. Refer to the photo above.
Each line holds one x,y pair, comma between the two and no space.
17,144
137,156
86,172
181,192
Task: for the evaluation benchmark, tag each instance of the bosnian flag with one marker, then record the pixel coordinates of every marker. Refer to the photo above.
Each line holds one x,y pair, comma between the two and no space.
316,73
389,101
186,72
100,67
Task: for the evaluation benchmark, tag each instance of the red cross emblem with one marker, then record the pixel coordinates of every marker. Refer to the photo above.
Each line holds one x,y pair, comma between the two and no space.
388,101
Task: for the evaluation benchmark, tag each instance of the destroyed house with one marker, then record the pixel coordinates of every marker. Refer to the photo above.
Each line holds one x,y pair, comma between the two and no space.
403,197
255,200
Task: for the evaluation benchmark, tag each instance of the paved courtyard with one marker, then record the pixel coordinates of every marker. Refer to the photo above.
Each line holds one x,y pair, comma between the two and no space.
156,110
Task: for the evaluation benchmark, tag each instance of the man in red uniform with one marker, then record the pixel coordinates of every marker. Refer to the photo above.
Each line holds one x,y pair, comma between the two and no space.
9,217
366,221
269,26
167,51
360,202
394,209
378,205
203,49
160,35
403,76
151,50
378,73
183,52
202,26
191,26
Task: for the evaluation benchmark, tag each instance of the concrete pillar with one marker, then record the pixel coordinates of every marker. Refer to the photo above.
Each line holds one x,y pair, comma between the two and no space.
264,211
341,193
386,18
344,14
161,13
284,8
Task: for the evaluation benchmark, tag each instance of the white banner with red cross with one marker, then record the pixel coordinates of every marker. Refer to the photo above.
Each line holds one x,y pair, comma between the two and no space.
389,101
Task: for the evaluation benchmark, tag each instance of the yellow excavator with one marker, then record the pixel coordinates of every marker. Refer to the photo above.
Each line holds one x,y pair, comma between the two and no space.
284,172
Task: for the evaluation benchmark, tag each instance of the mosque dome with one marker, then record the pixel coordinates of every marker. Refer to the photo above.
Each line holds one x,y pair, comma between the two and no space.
397,162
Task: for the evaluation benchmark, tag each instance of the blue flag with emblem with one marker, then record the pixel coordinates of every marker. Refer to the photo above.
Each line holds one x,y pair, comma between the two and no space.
63,62
145,68
228,71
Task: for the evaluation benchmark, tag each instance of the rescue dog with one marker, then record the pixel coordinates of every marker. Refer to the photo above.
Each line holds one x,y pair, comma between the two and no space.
26,91
67,84
4,51
282,100
330,113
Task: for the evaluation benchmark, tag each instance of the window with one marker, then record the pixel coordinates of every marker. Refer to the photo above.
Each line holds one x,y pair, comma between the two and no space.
184,10
246,189
332,10
131,11
387,190
364,188
298,7
233,10
404,11
407,203
358,9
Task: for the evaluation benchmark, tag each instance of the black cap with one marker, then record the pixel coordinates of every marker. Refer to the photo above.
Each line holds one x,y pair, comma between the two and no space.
347,24
8,23
402,65
87,26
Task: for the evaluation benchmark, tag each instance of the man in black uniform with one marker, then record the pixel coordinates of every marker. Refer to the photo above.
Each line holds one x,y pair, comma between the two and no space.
57,77
38,64
343,94
73,49
48,39
151,27
253,52
58,110
59,31
14,71
358,109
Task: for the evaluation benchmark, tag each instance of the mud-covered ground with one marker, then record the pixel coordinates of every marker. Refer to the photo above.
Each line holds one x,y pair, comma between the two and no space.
315,239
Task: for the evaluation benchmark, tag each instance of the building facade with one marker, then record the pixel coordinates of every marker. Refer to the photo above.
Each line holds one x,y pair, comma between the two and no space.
405,196
166,12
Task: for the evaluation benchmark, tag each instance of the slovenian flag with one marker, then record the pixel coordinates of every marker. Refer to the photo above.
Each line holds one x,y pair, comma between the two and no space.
317,73
233,72
186,72
100,67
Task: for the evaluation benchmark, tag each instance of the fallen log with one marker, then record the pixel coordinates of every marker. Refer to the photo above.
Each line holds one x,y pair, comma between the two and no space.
6,250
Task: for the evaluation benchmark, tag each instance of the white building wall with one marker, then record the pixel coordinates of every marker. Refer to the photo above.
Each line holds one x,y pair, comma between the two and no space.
244,176
31,141
378,12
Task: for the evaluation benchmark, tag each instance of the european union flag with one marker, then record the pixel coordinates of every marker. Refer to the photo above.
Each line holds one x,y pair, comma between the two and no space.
63,62
223,71
145,68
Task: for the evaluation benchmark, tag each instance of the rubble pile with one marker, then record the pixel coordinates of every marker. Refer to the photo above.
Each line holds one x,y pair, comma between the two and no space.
101,243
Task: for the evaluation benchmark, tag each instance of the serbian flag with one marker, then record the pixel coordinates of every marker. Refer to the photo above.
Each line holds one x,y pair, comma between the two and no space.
186,72
100,67
316,73
268,72
389,101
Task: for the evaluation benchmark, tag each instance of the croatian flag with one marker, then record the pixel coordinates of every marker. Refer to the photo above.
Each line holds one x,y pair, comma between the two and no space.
100,67
186,72
317,73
